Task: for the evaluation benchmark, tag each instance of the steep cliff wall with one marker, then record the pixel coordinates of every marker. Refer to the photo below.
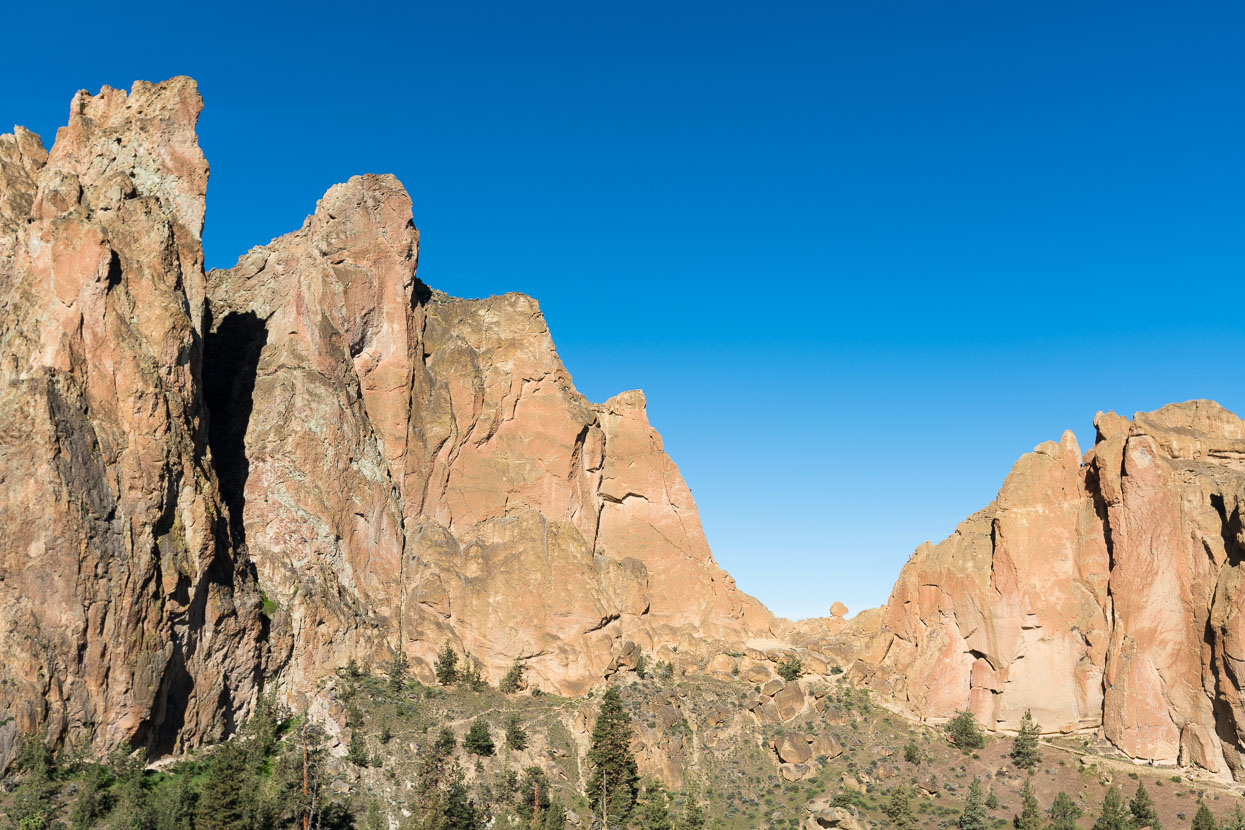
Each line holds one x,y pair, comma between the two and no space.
1098,592
213,481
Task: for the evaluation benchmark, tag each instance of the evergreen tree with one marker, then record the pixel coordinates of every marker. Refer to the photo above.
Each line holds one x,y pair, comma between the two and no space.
356,750
533,793
92,801
1030,817
555,817
654,807
225,803
1236,821
613,781
397,671
460,810
1141,808
964,733
992,799
1114,815
912,753
898,809
447,665
1203,819
1063,813
974,816
513,678
132,811
478,740
692,816
516,735
33,804
1025,748
173,800
790,668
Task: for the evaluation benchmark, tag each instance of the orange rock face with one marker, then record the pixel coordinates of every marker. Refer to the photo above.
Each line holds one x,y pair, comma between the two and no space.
216,481
416,468
1097,592
124,616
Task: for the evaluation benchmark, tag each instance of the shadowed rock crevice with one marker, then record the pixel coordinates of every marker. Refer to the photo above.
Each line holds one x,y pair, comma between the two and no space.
230,362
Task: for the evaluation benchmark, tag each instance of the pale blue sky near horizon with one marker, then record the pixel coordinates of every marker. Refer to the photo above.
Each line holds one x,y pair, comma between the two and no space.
860,256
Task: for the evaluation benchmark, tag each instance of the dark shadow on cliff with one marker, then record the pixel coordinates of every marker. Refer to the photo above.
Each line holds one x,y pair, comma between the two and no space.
230,362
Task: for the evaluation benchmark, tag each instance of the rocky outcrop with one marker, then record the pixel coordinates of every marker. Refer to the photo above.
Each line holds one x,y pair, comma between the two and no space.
124,617
416,468
213,479
1097,592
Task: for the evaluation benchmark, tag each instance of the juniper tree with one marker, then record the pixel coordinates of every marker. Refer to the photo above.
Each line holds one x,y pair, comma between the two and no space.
1203,819
1114,815
513,678
964,733
447,665
1025,747
1141,808
791,667
692,816
478,740
974,816
898,809
516,735
654,807
1063,813
1030,817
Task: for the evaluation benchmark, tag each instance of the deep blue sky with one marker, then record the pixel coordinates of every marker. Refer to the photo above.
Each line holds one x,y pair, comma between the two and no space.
860,256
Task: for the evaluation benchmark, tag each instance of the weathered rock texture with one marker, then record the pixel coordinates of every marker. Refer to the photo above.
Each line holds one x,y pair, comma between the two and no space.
211,479
123,614
416,468
1098,592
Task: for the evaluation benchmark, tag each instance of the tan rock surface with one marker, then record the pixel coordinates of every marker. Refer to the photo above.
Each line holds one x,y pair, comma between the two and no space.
1096,592
124,618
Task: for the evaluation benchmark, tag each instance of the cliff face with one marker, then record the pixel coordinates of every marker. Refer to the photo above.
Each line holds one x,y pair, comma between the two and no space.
1098,592
123,614
209,479
416,468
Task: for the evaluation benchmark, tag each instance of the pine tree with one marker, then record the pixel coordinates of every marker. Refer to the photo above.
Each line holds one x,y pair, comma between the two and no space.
654,807
33,804
1236,821
225,802
1030,817
964,733
992,799
899,809
974,816
555,817
1203,819
397,671
1025,748
693,814
614,781
447,665
1063,813
460,810
92,800
1114,815
516,735
356,750
513,678
478,740
173,800
1141,806
532,793
132,810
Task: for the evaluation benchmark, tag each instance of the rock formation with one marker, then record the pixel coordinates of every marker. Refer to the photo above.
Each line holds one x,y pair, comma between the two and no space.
1098,592
213,480
124,616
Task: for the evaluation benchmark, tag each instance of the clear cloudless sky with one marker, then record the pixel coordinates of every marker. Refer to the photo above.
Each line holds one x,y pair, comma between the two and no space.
859,255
